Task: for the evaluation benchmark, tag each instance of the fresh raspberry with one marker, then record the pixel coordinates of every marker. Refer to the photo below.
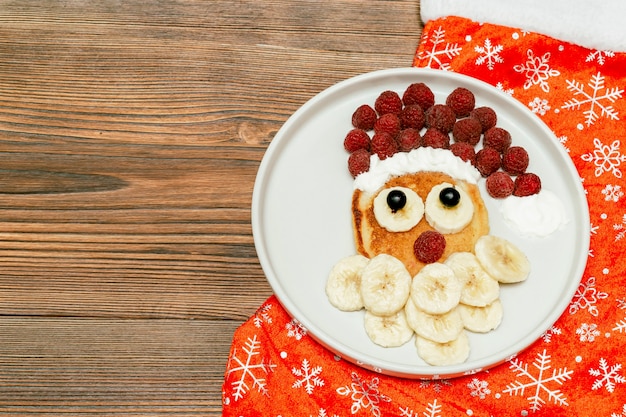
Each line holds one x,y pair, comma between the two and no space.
384,145
412,116
465,151
358,162
499,184
388,102
486,116
356,139
409,139
488,161
527,184
389,123
467,130
515,160
462,101
436,139
420,94
440,116
364,117
429,246
498,139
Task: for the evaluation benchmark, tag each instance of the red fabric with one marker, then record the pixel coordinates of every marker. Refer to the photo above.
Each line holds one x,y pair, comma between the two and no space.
578,367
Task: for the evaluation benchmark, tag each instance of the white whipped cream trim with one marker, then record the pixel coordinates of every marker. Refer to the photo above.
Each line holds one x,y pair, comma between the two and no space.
417,160
538,215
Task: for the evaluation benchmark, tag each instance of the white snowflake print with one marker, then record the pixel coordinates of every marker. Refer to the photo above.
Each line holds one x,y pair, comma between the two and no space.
538,384
489,54
322,413
479,388
622,414
262,316
508,91
620,326
547,335
606,158
364,394
537,71
599,56
588,332
539,106
251,369
307,377
563,141
436,384
586,298
439,49
432,410
620,229
612,193
608,376
295,329
593,101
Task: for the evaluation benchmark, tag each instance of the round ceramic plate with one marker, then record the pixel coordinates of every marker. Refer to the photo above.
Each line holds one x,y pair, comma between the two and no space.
301,220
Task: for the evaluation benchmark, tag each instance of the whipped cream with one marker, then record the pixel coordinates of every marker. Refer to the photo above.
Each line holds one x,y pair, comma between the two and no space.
417,160
538,215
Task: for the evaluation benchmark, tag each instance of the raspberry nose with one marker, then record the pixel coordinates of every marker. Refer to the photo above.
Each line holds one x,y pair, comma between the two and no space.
429,246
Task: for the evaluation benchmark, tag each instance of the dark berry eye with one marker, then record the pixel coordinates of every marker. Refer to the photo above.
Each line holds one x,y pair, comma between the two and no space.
396,200
449,197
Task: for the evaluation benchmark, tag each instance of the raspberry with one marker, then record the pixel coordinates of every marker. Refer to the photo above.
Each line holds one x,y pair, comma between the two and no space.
383,145
364,117
462,101
440,116
467,130
488,161
420,94
486,116
412,116
499,184
358,162
436,139
465,151
527,184
389,123
388,102
515,160
429,246
409,139
497,138
356,139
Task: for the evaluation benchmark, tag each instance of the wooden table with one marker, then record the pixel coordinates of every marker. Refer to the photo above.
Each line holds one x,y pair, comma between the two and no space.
130,137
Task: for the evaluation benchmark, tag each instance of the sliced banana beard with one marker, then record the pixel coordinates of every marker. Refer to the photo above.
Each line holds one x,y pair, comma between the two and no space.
439,328
435,289
385,285
398,216
481,319
479,288
442,354
502,259
388,331
448,218
343,286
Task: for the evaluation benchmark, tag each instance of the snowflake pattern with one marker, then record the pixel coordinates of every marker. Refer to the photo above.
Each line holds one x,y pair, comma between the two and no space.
249,369
489,54
322,413
620,229
479,388
622,414
439,50
435,384
608,376
612,193
620,326
547,335
307,377
364,394
586,298
537,71
262,316
588,332
539,106
538,383
599,56
432,410
594,101
295,329
606,158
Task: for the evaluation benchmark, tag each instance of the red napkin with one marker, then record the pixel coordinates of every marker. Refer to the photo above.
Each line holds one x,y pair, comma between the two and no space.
578,367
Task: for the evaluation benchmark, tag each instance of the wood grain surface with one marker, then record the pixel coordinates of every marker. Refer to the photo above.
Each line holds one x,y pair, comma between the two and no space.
130,137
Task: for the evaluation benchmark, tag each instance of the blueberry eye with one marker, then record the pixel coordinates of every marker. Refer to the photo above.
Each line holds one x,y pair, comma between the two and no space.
449,197
396,200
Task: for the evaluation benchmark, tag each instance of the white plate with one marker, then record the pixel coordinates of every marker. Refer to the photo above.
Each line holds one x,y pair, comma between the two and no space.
301,220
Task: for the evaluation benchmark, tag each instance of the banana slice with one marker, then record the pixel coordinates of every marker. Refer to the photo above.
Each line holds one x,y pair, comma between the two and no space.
343,286
385,285
439,328
479,288
448,208
481,319
388,331
398,209
435,289
442,354
502,259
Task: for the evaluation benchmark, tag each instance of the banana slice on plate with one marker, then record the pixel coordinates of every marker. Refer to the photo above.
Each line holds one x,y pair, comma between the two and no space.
443,354
388,331
502,259
440,328
435,289
398,209
479,288
481,319
343,286
448,208
385,285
